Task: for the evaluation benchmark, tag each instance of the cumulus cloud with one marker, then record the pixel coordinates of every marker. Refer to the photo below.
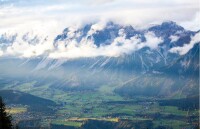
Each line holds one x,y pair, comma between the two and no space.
184,49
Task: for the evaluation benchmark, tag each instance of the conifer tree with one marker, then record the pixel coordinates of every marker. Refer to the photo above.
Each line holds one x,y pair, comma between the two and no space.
5,118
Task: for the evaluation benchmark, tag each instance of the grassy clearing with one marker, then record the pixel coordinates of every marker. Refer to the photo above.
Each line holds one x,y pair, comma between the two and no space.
100,119
155,108
173,110
176,124
67,123
16,110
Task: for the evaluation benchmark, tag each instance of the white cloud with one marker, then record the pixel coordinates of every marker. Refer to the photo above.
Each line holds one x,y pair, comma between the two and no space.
174,38
23,48
1,53
53,16
193,24
50,18
184,49
120,45
152,41
97,27
96,2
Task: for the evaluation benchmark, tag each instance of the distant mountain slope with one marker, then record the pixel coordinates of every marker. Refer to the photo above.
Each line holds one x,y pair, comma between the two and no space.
17,97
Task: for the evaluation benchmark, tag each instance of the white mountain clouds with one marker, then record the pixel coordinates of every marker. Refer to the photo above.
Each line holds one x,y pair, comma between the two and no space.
174,38
49,18
186,47
70,48
27,45
32,45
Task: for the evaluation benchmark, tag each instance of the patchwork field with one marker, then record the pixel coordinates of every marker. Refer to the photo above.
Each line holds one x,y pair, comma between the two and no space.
77,109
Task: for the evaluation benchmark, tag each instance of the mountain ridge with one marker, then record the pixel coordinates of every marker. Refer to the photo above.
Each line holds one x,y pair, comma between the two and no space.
142,54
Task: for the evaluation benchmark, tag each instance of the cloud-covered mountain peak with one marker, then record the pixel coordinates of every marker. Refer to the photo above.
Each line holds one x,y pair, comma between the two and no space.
100,33
167,28
98,39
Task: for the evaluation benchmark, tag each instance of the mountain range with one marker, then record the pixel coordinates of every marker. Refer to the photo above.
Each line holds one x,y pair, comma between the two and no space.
162,60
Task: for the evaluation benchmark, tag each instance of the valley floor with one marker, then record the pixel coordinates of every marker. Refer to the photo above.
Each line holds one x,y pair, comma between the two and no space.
102,108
